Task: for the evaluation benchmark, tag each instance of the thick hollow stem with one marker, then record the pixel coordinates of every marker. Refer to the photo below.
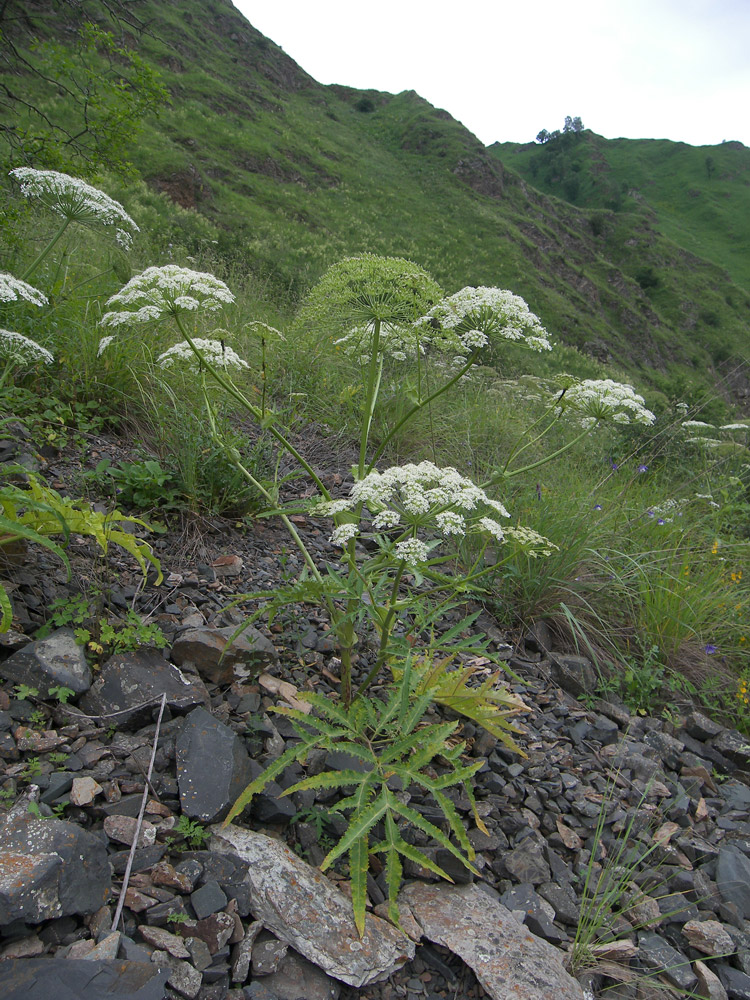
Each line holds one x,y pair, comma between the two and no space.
374,374
35,264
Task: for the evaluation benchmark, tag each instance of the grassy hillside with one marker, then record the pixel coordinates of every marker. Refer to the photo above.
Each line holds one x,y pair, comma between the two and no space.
289,176
698,197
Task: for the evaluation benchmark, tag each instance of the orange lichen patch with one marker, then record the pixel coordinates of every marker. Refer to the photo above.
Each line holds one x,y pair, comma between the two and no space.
16,869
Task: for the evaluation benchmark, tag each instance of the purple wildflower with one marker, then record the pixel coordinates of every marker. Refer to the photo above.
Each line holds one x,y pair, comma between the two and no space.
643,468
710,650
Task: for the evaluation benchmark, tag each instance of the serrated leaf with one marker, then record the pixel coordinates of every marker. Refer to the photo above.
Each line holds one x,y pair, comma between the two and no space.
290,755
327,779
359,857
361,823
427,827
6,610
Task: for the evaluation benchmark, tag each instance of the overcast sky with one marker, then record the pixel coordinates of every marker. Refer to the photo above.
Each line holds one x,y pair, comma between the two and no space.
674,69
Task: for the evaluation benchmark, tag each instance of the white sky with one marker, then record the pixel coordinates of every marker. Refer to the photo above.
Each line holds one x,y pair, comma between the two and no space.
674,69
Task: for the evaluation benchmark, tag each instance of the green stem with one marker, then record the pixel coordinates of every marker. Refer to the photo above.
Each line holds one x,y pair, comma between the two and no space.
535,465
418,406
517,450
385,633
234,459
374,375
255,411
35,264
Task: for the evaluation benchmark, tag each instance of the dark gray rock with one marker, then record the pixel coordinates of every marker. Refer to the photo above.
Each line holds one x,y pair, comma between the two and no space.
574,674
212,767
733,745
127,680
208,899
51,868
736,983
57,661
700,727
524,899
70,979
526,862
207,650
563,901
659,955
733,879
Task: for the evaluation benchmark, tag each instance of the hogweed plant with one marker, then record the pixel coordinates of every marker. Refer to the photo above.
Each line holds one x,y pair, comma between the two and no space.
397,529
73,200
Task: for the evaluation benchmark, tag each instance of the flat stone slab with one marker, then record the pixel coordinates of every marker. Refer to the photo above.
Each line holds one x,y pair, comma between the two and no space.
509,961
213,767
76,979
127,680
302,907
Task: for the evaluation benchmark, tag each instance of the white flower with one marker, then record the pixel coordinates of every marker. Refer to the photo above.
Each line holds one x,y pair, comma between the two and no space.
493,527
462,319
733,427
12,289
412,551
20,350
76,200
103,345
264,329
343,533
474,338
328,508
213,351
604,399
696,423
386,519
160,291
531,542
451,523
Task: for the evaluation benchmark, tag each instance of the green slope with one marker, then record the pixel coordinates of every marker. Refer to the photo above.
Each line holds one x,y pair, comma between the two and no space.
698,197
294,175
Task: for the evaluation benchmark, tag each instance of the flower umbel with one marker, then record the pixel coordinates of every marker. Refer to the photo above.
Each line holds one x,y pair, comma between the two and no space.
604,399
76,201
408,499
474,317
166,291
12,289
20,350
214,351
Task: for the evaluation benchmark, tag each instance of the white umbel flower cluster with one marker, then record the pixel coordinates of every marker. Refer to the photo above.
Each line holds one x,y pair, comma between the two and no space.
166,291
474,317
12,289
76,201
603,399
22,351
530,542
408,498
216,353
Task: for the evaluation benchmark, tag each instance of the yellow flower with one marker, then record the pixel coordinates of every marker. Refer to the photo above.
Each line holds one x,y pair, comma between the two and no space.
715,547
